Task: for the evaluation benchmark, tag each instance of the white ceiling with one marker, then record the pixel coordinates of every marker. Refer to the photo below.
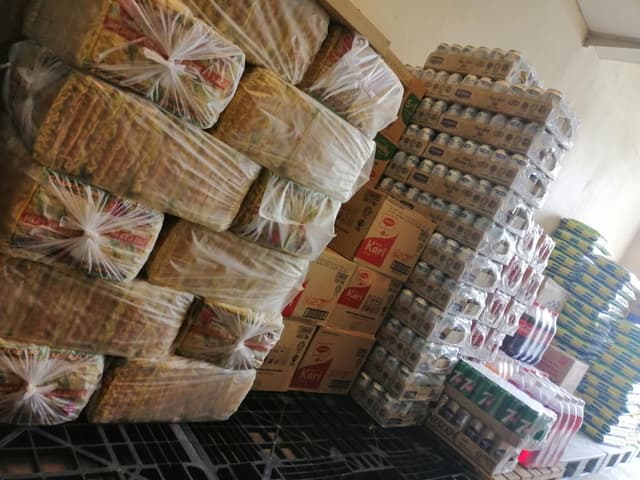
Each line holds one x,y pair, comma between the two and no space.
614,28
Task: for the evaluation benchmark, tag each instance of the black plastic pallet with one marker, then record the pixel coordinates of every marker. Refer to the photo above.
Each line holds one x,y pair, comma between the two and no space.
301,436
292,436
111,452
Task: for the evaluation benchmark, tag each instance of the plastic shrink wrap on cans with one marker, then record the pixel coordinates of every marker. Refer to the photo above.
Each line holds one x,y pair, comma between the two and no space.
223,267
153,47
55,218
291,134
170,389
350,78
230,337
65,309
117,141
282,35
45,386
278,213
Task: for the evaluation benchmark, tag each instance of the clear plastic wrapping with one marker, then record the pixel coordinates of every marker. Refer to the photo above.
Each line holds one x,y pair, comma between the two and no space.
402,383
282,35
114,140
383,408
495,308
44,386
154,47
461,263
351,79
511,318
448,295
429,321
530,285
54,218
278,213
415,351
65,309
536,329
512,275
171,389
228,336
497,243
225,268
291,134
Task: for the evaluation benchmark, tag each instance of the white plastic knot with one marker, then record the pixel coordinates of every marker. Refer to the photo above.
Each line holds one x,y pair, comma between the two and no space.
169,63
30,391
239,346
91,235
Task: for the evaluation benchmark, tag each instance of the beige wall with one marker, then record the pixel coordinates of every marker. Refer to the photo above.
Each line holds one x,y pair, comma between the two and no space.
631,258
599,182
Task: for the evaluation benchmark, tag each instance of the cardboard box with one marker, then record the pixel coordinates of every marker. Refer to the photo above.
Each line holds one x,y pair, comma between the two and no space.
379,167
413,92
281,363
378,232
349,15
332,361
328,275
563,369
512,104
385,149
364,301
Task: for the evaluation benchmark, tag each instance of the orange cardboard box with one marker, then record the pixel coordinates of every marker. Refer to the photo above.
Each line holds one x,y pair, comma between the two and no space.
374,230
326,280
364,302
332,361
280,365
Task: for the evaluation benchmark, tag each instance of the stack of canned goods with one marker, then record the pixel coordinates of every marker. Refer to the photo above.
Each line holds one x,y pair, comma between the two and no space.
544,151
400,381
532,99
493,413
386,410
485,60
511,212
568,408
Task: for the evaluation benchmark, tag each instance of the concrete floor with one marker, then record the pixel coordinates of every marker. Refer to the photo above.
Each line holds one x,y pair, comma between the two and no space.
629,471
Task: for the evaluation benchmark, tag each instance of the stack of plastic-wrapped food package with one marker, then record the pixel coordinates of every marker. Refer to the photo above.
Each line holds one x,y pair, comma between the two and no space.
598,325
168,185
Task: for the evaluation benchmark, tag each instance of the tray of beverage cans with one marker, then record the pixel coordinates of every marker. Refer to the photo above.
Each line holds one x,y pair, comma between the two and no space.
487,419
494,63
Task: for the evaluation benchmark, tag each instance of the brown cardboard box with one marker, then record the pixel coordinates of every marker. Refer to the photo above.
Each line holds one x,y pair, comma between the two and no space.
279,366
563,369
325,281
332,361
376,231
364,302
413,93
379,167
